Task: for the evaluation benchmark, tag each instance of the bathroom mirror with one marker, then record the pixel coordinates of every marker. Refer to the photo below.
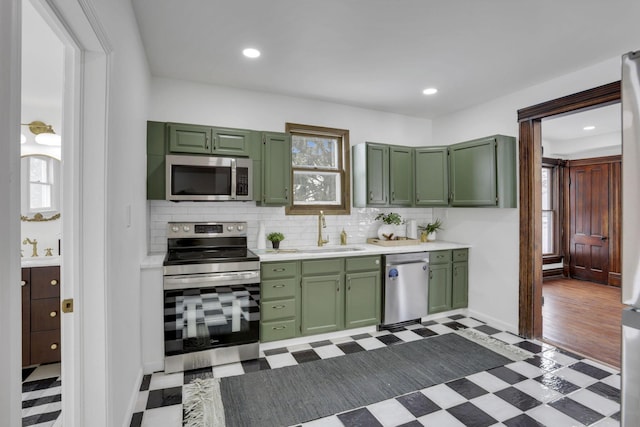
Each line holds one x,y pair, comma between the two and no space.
40,188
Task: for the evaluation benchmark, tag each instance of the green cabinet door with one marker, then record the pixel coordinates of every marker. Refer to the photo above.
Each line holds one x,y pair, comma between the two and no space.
185,138
473,173
439,287
459,285
362,299
432,176
322,304
377,174
232,142
400,176
156,161
276,169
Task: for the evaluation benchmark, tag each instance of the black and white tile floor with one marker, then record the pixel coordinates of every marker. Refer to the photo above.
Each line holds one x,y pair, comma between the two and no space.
553,388
41,395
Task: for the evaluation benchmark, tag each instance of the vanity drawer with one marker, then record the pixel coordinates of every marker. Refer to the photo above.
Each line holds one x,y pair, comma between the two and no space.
440,257
45,282
45,314
45,347
276,270
278,288
460,254
279,330
279,309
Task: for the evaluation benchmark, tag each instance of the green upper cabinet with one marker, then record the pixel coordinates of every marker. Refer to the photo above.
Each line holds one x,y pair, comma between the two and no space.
377,174
483,172
156,183
232,142
276,169
196,139
432,176
400,176
185,138
382,175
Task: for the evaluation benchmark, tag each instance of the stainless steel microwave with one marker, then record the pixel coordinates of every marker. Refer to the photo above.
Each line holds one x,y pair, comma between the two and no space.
202,178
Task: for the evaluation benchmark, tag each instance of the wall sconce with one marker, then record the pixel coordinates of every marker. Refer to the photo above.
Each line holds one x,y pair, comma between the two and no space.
45,135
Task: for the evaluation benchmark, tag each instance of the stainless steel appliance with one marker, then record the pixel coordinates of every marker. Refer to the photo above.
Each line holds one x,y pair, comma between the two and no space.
406,286
211,296
630,239
202,178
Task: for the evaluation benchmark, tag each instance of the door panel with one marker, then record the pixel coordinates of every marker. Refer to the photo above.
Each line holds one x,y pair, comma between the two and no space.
589,222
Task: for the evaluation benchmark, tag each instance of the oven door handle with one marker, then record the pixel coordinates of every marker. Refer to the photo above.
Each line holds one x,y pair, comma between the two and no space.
211,280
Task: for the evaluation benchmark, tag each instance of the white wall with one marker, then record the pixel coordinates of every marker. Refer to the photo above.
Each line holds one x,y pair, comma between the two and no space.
494,233
126,224
179,101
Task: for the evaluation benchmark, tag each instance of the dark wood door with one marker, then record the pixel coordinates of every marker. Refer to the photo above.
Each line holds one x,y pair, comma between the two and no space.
589,222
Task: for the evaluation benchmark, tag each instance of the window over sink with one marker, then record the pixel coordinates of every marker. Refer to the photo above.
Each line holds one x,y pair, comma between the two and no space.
320,169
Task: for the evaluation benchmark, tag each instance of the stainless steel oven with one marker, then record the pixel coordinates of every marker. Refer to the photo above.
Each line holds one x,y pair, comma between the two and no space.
211,296
202,178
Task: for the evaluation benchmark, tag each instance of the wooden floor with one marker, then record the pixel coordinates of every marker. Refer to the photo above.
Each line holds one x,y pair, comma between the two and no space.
583,317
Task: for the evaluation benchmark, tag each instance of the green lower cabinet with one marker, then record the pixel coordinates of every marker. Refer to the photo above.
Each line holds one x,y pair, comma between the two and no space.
322,304
362,299
439,288
459,285
278,330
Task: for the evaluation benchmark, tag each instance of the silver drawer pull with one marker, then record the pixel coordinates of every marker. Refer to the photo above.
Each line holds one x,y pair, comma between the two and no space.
277,270
279,328
278,307
278,286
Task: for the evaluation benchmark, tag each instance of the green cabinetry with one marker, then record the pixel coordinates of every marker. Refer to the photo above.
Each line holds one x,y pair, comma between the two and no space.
382,175
483,172
279,300
156,167
197,139
448,280
276,169
363,292
431,176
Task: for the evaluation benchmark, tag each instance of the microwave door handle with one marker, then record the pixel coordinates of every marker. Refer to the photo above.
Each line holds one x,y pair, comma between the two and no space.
233,179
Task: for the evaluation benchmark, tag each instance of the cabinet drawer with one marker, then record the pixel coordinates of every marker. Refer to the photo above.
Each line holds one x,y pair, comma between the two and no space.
363,263
280,330
279,309
45,314
322,266
45,282
460,254
440,257
278,288
276,270
45,347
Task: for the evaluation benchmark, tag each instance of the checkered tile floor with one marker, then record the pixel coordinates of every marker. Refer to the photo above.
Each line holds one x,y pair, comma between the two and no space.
552,388
41,395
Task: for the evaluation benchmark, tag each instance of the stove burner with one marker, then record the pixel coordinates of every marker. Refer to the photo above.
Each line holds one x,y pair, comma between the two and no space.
199,256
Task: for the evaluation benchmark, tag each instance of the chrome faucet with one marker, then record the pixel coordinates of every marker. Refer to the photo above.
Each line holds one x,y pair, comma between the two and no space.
321,224
34,244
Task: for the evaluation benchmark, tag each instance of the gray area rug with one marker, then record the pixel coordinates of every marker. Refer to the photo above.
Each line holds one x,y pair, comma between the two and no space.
301,393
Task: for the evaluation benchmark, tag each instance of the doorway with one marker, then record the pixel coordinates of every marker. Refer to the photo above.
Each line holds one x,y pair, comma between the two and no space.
531,260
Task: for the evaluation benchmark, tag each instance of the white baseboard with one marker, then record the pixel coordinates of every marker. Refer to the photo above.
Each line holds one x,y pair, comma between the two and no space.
496,323
151,367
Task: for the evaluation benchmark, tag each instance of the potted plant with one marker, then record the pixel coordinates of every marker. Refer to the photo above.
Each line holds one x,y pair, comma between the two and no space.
428,232
389,230
275,238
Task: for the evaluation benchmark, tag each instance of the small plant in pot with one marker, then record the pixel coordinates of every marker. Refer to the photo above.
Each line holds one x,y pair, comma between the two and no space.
388,230
275,238
428,232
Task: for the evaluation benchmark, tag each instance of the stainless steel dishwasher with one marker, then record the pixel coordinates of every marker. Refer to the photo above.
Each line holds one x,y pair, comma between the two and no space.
406,287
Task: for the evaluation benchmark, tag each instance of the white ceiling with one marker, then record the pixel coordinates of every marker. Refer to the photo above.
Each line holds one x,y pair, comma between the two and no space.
381,54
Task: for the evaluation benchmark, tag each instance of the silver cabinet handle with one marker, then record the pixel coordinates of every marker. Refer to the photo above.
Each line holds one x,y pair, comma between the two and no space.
278,286
278,307
279,328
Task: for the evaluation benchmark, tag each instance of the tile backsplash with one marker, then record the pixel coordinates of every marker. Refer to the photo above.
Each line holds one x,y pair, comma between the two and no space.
299,230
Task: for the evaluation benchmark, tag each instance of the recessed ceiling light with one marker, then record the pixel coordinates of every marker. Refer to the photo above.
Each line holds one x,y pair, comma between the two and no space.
251,52
430,91
589,127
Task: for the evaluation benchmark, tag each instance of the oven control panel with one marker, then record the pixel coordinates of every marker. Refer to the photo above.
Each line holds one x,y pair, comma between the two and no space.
206,229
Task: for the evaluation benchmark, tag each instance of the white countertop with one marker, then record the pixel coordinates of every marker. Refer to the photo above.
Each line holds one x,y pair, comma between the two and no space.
361,249
41,261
